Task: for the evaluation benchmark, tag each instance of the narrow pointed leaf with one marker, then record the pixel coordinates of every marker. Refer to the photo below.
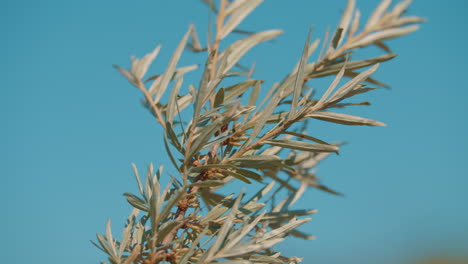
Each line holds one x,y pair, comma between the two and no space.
351,65
383,35
235,51
159,87
238,15
172,102
353,83
299,135
250,174
219,98
140,66
344,23
345,119
208,183
237,176
301,145
129,75
378,12
299,79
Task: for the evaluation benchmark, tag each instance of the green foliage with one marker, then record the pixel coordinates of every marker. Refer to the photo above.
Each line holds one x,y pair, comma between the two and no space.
234,137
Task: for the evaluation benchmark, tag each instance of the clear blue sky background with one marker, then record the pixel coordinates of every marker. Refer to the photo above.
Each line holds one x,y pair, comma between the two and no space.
71,126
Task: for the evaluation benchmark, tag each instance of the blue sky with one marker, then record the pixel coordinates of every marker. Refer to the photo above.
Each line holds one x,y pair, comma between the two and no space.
72,126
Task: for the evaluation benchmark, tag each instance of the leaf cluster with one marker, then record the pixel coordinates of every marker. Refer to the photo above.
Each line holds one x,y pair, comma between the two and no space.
234,136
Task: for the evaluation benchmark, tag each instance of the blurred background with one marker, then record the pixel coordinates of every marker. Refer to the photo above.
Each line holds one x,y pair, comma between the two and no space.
71,126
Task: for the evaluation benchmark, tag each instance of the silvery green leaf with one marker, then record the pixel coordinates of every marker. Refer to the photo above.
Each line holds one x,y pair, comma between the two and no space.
265,115
343,105
165,229
127,74
330,89
213,166
137,176
260,194
297,89
219,98
300,191
274,149
204,135
407,20
140,66
281,231
271,150
184,101
299,234
382,46
326,189
136,202
127,232
250,174
250,208
355,23
98,246
237,176
214,213
205,89
138,232
189,253
283,215
238,89
172,102
167,193
267,97
169,153
207,183
250,247
336,38
154,204
254,95
345,119
179,72
105,246
378,13
353,83
314,160
194,41
400,8
235,51
244,231
213,113
170,204
301,145
351,74
183,70
159,87
344,22
110,239
242,110
299,135
173,138
237,11
383,35
351,65
258,161
233,6
310,50
222,232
